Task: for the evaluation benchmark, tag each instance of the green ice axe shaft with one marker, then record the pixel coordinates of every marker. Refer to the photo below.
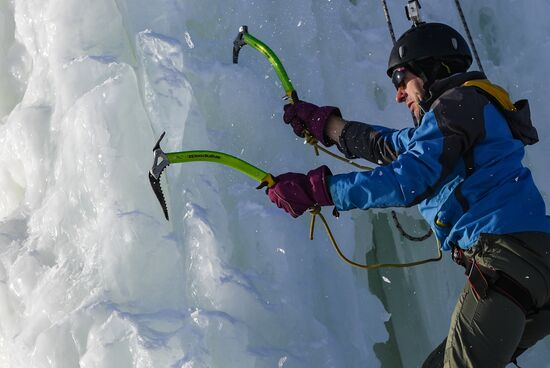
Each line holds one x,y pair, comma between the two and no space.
162,160
245,38
224,159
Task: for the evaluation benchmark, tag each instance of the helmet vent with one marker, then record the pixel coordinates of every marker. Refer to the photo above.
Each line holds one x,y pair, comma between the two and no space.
455,43
402,51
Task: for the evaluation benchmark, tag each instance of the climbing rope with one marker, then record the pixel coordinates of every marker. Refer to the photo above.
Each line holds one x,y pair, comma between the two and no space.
472,44
316,211
393,213
245,38
312,141
388,20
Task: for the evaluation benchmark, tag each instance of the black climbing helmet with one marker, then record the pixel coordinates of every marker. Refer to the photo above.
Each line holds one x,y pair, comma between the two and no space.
431,51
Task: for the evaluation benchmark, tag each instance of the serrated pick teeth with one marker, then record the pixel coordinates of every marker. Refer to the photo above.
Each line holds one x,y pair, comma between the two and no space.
160,162
155,184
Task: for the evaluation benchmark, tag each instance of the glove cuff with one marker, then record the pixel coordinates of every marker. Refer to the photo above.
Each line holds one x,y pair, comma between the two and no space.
319,190
318,121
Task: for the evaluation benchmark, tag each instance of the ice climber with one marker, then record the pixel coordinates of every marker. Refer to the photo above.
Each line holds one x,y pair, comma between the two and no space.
461,164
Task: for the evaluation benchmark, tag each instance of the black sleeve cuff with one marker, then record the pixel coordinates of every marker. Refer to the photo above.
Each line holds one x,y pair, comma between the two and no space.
360,140
342,144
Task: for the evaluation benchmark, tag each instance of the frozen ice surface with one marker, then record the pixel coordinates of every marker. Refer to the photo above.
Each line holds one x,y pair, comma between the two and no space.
91,275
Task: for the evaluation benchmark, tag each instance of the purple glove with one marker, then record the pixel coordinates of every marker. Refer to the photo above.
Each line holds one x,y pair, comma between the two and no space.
295,193
304,115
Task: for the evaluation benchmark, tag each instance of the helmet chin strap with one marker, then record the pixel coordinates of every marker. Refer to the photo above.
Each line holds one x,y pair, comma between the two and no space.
422,112
427,84
430,76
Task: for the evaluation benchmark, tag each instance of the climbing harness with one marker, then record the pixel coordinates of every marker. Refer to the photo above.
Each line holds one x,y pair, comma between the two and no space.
481,279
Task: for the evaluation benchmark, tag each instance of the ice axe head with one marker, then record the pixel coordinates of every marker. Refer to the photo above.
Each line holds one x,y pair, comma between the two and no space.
239,43
160,162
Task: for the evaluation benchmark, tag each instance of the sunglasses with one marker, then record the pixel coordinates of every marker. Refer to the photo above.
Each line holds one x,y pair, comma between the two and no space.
398,76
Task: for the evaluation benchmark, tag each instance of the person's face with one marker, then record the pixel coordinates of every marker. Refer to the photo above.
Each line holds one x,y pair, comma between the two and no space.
409,90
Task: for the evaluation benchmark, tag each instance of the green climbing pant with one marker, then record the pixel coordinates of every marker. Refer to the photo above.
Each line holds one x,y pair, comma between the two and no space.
492,331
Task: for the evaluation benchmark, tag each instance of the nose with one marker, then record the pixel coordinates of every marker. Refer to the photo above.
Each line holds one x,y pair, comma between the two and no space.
400,95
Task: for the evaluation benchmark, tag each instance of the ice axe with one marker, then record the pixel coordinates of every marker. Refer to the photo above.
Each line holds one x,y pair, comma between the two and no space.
161,160
244,38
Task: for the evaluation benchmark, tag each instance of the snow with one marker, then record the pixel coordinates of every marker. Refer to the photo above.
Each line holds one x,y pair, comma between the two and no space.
91,275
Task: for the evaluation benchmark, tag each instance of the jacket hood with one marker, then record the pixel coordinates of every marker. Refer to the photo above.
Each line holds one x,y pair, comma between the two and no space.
440,86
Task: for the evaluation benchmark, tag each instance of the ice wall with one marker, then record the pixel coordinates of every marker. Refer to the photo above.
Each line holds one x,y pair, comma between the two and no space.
91,275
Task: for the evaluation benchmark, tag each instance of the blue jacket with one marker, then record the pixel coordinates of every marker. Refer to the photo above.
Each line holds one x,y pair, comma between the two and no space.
461,165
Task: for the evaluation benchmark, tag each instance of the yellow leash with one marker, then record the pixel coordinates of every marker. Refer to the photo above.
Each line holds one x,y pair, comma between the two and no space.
311,140
316,211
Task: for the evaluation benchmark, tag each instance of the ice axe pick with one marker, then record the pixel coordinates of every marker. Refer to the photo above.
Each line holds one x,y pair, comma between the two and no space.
161,160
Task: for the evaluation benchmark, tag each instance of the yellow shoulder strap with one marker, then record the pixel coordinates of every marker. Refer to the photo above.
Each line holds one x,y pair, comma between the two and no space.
497,92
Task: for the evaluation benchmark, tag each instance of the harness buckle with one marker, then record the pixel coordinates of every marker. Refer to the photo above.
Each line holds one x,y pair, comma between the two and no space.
481,279
477,280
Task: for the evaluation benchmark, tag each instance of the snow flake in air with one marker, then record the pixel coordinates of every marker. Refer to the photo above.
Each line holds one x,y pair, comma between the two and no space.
189,40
